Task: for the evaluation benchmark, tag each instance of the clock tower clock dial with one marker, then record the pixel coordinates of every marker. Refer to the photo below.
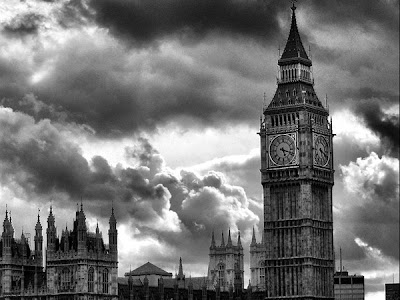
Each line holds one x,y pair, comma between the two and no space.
282,150
297,179
321,151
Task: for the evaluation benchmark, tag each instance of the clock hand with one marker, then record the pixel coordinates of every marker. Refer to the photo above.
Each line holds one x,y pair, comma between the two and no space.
323,152
284,150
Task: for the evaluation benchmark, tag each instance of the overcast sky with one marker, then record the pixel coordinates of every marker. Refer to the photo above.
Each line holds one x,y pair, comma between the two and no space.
154,105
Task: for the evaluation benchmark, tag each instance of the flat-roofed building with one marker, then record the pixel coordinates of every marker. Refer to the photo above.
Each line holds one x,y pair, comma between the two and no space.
348,286
392,291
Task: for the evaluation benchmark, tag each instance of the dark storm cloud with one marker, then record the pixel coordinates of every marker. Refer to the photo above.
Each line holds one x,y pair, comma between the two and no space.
144,22
382,124
13,78
383,97
348,13
118,93
23,25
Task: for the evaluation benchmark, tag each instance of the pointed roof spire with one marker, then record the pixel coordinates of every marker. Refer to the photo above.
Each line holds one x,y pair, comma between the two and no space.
222,239
38,226
294,49
253,238
239,243
6,218
229,238
180,272
212,240
112,220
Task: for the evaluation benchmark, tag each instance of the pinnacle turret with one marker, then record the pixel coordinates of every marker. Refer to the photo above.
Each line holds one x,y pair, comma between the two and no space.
222,240
229,244
253,238
180,272
113,233
239,242
212,240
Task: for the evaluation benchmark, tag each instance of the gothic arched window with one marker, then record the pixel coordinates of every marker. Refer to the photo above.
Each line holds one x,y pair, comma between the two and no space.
105,281
65,279
221,274
91,280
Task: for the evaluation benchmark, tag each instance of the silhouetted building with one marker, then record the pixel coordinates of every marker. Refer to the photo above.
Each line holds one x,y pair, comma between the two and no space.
392,291
349,286
21,269
297,179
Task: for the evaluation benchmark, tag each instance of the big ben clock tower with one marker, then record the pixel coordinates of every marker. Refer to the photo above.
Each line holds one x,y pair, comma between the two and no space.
297,179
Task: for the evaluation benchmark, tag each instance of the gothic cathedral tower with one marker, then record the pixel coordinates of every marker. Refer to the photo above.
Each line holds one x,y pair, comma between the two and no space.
297,179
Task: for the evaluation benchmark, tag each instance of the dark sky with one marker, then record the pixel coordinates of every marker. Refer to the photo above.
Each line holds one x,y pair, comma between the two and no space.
154,106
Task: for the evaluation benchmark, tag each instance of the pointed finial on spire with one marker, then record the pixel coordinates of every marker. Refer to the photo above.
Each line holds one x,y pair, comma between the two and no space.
51,209
81,204
38,215
212,239
180,272
222,239
10,216
229,238
293,6
239,243
253,238
6,213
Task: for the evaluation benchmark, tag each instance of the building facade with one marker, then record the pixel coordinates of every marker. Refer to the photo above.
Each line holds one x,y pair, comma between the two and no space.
226,265
21,269
297,179
79,265
392,291
349,287
257,264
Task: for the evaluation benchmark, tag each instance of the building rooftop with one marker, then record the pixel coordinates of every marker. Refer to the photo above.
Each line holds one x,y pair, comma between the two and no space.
148,269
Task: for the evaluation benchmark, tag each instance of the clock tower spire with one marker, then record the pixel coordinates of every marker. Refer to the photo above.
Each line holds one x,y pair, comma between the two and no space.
297,179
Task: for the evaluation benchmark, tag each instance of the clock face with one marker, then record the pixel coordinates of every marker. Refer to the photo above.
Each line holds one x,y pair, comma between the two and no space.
321,151
282,150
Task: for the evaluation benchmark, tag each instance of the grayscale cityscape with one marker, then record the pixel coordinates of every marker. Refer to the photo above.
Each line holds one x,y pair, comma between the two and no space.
199,149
